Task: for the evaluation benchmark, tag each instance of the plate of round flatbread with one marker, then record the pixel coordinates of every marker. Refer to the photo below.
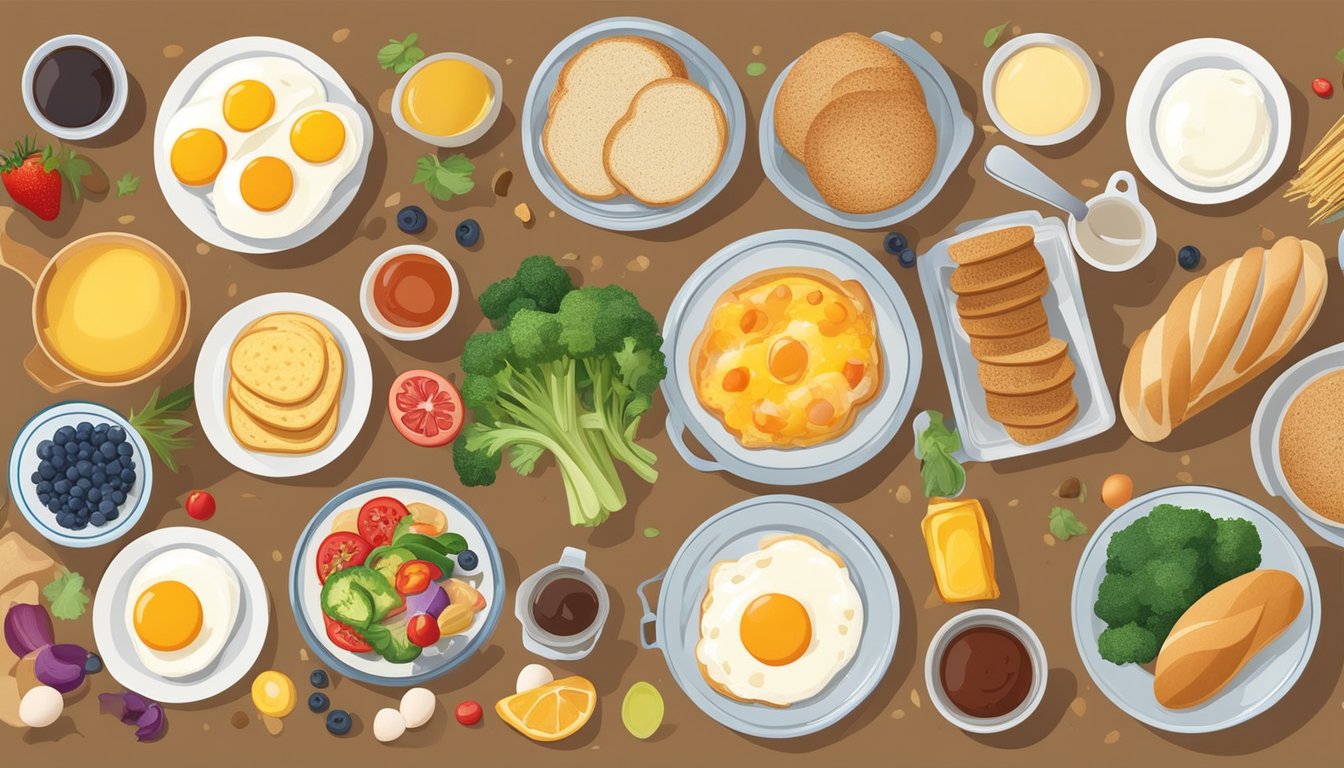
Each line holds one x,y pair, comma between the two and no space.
283,385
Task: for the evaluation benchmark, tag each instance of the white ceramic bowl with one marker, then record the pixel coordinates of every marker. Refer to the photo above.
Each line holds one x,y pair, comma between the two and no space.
471,134
375,318
120,87
1011,47
985,617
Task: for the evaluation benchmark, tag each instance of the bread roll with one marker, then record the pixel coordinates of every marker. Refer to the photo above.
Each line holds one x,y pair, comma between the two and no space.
1220,332
1221,632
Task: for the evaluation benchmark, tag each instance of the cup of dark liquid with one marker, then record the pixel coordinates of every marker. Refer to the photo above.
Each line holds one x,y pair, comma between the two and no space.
562,608
75,87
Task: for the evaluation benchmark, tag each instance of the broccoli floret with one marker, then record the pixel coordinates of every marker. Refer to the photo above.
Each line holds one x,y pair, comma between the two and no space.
1119,600
1160,624
496,299
516,306
1174,528
474,467
487,353
1130,548
1235,550
1171,581
544,281
535,337
1126,644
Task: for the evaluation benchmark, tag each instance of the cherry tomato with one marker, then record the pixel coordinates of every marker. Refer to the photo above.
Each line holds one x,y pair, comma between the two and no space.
344,636
340,550
378,519
415,576
200,505
1322,87
422,630
468,712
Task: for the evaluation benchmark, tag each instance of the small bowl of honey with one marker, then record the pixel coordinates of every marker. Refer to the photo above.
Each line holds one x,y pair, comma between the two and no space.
409,293
448,99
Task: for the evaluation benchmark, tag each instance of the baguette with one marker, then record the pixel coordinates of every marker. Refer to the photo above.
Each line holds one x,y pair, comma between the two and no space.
1221,632
1220,332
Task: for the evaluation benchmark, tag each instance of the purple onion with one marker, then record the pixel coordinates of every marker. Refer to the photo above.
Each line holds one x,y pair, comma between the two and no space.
152,724
61,666
28,628
432,601
133,709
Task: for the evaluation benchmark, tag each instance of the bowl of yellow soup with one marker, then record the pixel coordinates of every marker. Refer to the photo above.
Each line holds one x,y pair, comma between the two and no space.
1041,89
448,99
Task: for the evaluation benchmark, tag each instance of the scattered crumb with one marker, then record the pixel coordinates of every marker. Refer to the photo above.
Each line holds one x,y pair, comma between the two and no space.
385,102
1266,234
1111,737
596,747
914,697
1049,540
903,493
202,249
277,556
1184,477
638,264
231,290
1079,706
1017,30
1069,488
508,61
570,256
205,726
550,214
597,263
1013,502
172,51
392,200
127,219
500,183
1185,460
990,129
303,654
897,714
274,725
523,213
247,495
340,35
936,36
1100,54
756,50
240,719
1091,184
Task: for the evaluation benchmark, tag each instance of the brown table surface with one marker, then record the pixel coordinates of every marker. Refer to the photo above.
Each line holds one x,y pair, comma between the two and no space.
897,724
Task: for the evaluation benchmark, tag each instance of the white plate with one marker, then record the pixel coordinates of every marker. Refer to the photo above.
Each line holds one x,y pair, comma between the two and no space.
192,208
1157,77
982,438
212,385
1263,681
23,463
240,651
624,213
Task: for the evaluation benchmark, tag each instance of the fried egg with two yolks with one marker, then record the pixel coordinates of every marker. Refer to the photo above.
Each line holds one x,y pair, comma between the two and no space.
180,611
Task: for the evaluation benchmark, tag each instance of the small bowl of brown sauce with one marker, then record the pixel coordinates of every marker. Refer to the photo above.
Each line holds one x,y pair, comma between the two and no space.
562,608
409,293
75,87
985,671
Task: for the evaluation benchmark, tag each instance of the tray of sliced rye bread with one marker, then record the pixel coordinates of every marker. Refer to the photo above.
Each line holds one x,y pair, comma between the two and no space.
1014,338
631,124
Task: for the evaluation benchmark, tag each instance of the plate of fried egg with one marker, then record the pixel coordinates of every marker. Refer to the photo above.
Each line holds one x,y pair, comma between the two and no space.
259,145
777,617
180,615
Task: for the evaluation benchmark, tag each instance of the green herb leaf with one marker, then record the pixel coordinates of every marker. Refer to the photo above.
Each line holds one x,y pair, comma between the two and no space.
992,36
756,69
651,533
160,431
128,185
444,179
400,55
1340,55
1063,524
72,167
66,596
942,474
1082,492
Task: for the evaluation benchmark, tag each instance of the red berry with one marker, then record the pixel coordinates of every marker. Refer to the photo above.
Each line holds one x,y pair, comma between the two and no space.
200,505
468,712
1322,87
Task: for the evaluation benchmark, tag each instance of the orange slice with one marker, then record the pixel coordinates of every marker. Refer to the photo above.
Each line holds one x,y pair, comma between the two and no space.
552,712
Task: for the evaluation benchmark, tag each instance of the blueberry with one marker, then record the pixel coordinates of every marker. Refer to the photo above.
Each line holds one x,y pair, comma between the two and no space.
99,478
98,519
44,486
93,665
65,519
44,449
107,451
84,483
35,478
71,474
101,428
467,560
318,702
1188,257
907,258
118,498
46,471
79,525
94,495
58,462
98,439
127,476
54,505
57,449
84,468
71,448
412,220
894,243
84,428
116,434
124,450
112,515
43,498
338,722
468,233
61,486
106,506
65,435
84,454
318,678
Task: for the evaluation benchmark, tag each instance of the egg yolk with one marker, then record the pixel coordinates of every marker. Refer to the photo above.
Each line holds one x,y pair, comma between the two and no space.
266,183
167,616
776,629
317,136
197,156
248,104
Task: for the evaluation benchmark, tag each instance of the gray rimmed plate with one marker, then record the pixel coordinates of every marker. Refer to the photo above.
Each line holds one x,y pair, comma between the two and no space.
951,125
734,532
877,422
624,213
1263,681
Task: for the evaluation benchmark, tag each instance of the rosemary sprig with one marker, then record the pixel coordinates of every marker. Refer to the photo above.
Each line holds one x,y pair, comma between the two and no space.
162,433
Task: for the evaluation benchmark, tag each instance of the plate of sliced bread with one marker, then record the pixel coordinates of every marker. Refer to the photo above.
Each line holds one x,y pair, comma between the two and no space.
631,124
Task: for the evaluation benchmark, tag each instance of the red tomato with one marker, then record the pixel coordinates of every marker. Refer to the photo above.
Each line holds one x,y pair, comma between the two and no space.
340,550
423,630
425,408
415,576
378,519
468,712
344,636
200,505
1323,88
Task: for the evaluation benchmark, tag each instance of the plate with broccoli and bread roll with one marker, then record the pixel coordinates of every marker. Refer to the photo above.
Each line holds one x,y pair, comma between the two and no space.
1195,609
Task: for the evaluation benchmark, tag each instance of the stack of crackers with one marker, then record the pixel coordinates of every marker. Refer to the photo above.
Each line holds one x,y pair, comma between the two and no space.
285,376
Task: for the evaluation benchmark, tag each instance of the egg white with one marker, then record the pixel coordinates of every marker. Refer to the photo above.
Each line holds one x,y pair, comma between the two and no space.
793,566
217,588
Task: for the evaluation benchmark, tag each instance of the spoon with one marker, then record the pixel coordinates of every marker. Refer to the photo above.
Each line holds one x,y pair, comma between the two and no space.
1014,171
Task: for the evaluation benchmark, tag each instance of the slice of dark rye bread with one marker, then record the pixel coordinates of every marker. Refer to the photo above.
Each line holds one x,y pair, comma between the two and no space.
1014,322
1034,410
1026,379
870,150
1035,435
1051,349
983,348
1034,287
998,272
991,245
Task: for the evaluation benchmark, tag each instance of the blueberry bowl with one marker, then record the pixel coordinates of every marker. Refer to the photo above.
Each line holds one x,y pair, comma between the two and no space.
80,474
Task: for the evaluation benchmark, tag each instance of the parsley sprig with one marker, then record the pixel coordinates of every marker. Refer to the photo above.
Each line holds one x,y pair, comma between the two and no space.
161,432
400,55
445,178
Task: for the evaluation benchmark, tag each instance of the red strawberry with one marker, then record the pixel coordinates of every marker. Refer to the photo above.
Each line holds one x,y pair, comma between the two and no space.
27,180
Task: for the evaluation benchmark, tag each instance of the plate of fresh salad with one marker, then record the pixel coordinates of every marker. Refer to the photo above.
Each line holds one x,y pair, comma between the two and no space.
395,582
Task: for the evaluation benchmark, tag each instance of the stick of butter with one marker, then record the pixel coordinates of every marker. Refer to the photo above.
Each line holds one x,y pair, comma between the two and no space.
960,551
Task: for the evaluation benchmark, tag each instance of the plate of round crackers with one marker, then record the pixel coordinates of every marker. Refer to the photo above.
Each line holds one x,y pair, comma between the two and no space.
283,385
863,132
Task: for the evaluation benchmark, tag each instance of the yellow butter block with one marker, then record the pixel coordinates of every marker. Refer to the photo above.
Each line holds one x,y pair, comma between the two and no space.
960,550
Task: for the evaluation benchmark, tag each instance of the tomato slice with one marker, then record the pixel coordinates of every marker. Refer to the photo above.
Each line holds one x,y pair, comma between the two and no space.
425,408
340,550
344,636
378,519
415,576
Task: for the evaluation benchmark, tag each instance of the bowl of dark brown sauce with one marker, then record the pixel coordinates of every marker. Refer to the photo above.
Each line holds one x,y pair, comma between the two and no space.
409,293
985,671
75,87
562,608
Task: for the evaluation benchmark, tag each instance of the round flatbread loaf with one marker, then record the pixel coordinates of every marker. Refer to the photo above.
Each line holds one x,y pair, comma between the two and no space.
897,78
807,87
256,437
869,151
283,362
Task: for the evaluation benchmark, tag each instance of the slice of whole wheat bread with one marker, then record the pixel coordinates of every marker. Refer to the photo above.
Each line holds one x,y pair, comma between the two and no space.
668,144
